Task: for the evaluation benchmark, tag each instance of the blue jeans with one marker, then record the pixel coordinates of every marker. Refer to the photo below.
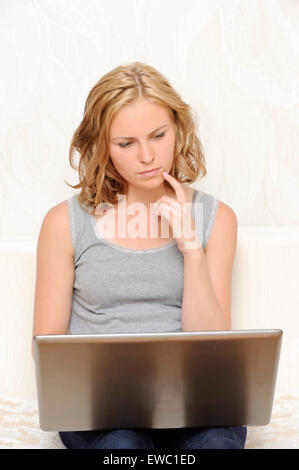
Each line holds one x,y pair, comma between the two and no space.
230,437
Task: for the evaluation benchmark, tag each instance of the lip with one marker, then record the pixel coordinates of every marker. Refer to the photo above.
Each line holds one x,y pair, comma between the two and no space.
150,172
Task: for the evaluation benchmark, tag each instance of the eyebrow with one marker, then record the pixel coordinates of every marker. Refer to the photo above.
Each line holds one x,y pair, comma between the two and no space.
158,128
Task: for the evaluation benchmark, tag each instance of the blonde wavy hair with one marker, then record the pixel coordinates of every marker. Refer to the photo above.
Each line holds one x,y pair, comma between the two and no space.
99,180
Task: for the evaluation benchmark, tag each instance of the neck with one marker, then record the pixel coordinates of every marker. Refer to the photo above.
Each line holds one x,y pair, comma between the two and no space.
146,197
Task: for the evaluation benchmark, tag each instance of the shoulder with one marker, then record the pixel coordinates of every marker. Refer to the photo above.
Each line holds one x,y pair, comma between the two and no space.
224,232
58,214
56,224
226,216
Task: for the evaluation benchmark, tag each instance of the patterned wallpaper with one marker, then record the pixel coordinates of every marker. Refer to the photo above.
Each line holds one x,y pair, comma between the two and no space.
236,62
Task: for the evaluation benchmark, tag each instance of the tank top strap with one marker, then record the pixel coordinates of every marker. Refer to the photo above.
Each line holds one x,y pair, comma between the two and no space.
78,219
204,210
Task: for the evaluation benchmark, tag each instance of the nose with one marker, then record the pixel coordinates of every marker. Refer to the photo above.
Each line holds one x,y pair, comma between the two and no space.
145,154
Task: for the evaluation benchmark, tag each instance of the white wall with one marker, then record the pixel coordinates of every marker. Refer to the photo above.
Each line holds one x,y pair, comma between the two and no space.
235,61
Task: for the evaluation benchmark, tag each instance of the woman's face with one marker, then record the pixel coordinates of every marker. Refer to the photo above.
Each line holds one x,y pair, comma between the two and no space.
136,144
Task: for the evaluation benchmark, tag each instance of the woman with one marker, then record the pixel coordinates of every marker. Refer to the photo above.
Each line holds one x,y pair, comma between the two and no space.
99,272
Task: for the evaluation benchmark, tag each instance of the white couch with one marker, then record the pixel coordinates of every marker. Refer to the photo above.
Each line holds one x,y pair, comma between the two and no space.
265,295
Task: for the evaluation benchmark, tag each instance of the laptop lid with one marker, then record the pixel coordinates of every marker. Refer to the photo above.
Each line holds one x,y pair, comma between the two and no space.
156,380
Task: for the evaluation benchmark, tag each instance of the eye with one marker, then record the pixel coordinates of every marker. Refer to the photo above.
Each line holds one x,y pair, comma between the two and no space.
127,144
124,145
160,135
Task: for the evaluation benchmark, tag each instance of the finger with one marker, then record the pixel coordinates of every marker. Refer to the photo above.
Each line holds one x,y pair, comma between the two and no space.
170,212
172,217
163,208
168,200
179,190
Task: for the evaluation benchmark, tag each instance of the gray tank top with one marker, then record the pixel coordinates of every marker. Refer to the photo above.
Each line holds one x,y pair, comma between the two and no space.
122,290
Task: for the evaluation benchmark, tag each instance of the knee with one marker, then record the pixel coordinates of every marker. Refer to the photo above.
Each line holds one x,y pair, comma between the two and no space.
232,437
240,433
217,438
124,439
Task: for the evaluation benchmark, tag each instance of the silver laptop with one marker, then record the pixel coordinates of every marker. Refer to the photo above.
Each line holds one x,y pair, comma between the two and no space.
156,380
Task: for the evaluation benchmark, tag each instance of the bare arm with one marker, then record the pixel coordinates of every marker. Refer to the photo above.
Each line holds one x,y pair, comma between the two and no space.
54,274
207,277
